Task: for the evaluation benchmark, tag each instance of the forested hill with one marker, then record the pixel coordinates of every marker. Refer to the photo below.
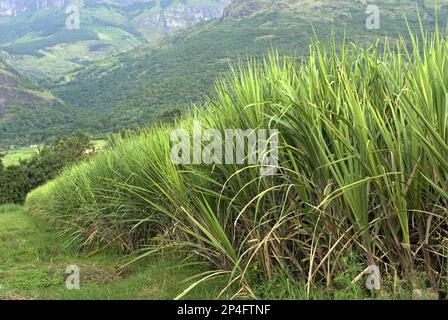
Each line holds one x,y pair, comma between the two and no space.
35,38
136,86
25,109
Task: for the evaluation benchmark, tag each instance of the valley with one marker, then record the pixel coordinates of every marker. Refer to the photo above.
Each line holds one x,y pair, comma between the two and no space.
223,149
33,265
179,70
49,49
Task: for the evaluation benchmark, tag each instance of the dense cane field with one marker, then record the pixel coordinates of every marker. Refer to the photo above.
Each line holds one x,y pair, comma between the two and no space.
361,180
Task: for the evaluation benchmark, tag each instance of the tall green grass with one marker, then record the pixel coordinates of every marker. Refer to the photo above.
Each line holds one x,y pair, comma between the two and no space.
363,169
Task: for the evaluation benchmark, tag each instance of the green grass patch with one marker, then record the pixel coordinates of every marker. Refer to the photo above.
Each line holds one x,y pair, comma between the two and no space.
13,157
33,262
100,144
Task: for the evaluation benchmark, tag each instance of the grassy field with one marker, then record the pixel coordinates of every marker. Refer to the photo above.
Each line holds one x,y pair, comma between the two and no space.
13,157
33,262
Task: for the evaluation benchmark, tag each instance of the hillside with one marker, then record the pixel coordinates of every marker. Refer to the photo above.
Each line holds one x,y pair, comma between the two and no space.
13,8
25,108
35,39
137,86
134,87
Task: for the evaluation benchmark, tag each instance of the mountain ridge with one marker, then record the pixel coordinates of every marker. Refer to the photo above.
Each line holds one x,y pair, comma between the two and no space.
183,68
11,81
13,8
135,87
25,109
37,42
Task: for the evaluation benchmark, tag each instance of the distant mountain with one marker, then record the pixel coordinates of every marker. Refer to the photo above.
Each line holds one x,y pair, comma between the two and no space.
243,9
13,8
36,40
25,108
135,87
328,9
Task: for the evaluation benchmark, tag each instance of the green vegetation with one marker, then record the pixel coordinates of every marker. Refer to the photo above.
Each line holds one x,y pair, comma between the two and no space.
17,180
361,180
33,264
39,44
99,144
14,157
32,48
26,110
133,88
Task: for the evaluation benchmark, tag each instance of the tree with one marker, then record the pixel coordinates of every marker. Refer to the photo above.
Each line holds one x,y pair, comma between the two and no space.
17,181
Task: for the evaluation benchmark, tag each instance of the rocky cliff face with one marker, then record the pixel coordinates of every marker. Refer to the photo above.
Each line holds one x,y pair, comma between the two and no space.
176,18
167,19
13,8
324,9
172,17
